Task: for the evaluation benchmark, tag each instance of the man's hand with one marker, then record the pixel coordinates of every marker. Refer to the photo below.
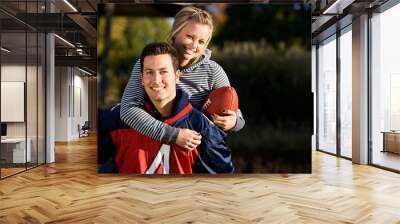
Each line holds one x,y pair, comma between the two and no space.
188,139
226,121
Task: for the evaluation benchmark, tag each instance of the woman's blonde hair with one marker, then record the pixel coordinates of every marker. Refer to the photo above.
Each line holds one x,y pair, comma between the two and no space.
187,14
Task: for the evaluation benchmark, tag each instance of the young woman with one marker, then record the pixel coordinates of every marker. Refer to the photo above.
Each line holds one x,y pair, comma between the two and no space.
190,35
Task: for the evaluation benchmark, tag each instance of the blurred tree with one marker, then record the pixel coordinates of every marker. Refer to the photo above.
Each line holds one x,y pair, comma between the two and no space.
274,95
100,35
278,25
128,37
281,78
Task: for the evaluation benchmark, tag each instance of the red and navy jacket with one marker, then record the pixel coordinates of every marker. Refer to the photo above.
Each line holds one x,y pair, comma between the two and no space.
133,152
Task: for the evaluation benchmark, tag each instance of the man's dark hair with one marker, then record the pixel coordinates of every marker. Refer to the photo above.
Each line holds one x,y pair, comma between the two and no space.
157,49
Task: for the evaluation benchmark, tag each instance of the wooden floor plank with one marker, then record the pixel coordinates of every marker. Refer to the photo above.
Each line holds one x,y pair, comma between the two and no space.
70,191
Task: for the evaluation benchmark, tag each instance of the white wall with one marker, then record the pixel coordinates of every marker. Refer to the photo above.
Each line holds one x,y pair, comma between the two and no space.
327,95
71,102
80,101
33,126
12,73
61,103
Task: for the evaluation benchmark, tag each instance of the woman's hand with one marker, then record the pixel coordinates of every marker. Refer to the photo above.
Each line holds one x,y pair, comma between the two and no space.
226,121
188,139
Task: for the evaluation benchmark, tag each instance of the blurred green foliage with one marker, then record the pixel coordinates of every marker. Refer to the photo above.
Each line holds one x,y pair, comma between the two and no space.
128,36
274,88
280,25
274,82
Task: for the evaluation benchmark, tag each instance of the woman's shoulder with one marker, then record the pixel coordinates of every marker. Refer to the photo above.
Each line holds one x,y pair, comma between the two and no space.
209,63
213,63
209,67
214,67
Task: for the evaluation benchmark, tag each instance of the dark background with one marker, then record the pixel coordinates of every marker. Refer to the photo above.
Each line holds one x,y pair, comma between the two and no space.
265,51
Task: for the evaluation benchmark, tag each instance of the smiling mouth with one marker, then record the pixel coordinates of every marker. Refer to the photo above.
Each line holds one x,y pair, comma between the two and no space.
157,89
190,52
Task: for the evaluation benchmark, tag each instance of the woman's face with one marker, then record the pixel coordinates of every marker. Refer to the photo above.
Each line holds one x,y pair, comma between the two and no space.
191,41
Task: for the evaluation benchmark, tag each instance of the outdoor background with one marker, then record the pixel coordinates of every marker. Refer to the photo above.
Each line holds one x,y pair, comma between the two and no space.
265,51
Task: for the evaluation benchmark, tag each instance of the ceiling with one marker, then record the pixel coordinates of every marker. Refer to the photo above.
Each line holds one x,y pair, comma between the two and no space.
76,24
327,16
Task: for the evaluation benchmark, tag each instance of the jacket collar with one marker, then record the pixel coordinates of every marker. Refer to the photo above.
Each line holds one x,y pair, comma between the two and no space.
181,107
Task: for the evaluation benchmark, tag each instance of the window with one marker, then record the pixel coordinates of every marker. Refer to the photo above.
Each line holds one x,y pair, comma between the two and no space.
327,95
22,76
385,88
345,92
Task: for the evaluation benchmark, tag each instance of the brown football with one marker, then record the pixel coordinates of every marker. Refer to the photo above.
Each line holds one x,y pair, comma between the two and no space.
221,99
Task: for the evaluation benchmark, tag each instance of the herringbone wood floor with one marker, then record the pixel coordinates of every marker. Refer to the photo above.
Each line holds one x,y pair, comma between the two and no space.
70,191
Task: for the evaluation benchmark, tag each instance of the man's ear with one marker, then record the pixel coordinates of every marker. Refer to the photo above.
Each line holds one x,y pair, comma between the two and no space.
141,77
177,75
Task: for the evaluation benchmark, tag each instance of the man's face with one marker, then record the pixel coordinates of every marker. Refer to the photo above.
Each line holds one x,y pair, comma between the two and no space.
159,78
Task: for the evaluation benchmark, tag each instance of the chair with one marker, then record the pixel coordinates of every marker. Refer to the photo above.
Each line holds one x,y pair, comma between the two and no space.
84,130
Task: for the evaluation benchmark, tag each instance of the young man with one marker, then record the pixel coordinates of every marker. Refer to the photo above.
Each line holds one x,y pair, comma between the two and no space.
137,153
